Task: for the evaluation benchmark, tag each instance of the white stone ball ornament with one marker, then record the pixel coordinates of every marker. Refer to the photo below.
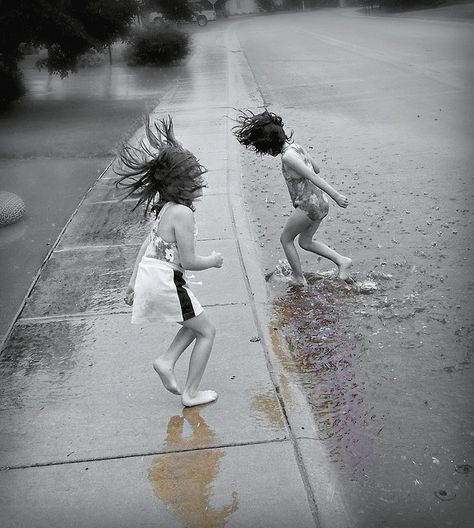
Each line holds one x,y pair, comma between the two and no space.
12,208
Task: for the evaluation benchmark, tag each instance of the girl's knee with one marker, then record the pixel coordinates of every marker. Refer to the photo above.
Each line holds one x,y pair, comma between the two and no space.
305,243
211,331
204,327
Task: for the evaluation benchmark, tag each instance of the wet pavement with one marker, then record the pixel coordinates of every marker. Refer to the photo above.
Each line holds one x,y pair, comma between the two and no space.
340,406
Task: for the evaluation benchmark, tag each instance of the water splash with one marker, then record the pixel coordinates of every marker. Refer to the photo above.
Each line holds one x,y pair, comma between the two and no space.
282,272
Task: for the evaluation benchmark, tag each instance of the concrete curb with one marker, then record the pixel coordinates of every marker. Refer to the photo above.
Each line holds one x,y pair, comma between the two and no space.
320,480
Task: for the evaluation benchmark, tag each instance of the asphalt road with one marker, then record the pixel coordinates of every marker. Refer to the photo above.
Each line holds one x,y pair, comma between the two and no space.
385,106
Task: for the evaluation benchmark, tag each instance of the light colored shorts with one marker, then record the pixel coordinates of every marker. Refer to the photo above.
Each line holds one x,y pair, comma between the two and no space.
162,294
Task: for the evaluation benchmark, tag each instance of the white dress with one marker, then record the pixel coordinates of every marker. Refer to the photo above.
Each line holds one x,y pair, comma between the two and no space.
161,290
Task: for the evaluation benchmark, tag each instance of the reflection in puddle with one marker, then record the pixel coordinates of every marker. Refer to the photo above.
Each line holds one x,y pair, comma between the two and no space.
184,481
39,361
266,405
314,324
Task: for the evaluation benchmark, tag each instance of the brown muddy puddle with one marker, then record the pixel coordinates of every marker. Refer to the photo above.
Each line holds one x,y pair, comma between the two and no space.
357,347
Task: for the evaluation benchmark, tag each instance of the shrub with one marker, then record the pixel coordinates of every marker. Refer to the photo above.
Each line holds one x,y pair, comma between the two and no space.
12,86
157,45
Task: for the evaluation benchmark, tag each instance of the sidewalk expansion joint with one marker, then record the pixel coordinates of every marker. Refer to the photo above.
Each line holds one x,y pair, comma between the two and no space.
70,155
99,247
96,246
88,315
189,109
118,200
133,200
141,455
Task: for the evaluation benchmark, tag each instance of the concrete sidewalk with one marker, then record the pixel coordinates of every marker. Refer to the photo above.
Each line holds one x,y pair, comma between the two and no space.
89,436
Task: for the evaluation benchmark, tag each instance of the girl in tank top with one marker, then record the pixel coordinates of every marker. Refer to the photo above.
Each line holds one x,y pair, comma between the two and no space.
168,178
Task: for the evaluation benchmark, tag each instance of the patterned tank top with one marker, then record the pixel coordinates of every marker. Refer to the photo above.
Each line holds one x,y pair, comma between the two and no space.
303,192
161,249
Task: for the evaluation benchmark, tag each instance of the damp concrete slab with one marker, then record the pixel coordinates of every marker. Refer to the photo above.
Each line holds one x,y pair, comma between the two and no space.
216,183
255,485
213,146
93,280
200,98
186,117
227,285
213,218
114,223
85,388
212,131
214,162
185,123
105,191
103,224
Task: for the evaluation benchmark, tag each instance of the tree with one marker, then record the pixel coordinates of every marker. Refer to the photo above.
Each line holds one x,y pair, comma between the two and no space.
67,28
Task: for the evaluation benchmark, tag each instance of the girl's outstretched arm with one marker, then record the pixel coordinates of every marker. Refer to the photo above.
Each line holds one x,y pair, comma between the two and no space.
183,221
292,160
313,163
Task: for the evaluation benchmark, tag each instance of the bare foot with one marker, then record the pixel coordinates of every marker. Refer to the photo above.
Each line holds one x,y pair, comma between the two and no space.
344,267
200,398
298,281
164,369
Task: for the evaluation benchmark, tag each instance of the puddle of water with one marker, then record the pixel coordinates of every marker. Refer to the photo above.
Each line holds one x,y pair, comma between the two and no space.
266,406
35,367
345,339
185,481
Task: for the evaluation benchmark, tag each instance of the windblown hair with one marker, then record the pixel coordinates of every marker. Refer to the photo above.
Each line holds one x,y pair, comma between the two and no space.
260,132
162,171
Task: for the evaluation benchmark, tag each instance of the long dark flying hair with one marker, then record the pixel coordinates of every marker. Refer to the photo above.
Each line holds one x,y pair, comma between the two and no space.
162,171
262,132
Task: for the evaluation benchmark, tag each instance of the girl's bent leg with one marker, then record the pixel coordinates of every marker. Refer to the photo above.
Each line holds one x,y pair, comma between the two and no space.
297,222
307,243
164,365
205,333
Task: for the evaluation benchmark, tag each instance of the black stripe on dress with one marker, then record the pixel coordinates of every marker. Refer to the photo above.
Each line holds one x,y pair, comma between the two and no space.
185,303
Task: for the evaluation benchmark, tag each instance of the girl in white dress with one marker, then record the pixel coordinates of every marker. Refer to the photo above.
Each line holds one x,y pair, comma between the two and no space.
168,178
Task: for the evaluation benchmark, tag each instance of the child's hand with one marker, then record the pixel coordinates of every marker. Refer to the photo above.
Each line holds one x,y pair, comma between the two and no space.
218,259
129,294
341,200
